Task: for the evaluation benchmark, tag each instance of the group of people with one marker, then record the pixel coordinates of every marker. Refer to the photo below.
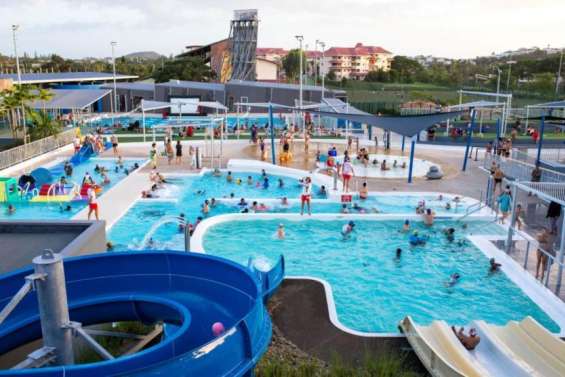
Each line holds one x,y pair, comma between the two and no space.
172,153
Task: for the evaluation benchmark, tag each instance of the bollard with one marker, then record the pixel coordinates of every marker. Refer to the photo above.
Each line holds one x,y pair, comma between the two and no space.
186,237
197,151
53,308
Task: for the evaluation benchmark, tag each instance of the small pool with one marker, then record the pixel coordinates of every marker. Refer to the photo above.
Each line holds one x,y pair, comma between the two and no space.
373,170
372,290
53,210
150,122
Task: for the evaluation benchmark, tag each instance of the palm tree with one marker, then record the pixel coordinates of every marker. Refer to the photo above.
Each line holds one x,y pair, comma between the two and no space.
44,95
43,125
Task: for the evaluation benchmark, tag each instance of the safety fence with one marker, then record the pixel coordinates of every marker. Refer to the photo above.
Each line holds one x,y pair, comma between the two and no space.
24,152
550,155
520,170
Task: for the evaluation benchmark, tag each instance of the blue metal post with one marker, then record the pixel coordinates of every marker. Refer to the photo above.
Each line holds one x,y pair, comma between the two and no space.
540,141
272,126
370,132
497,135
410,168
469,139
403,137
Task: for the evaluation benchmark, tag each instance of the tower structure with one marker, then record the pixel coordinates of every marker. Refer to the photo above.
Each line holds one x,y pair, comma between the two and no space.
243,38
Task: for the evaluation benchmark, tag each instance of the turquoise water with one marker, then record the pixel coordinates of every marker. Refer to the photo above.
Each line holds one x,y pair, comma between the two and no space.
25,210
150,122
372,290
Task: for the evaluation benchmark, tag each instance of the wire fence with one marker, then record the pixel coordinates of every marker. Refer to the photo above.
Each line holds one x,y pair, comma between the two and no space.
547,155
24,152
520,170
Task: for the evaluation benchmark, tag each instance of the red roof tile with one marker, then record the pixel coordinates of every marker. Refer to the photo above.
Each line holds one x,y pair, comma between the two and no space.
359,49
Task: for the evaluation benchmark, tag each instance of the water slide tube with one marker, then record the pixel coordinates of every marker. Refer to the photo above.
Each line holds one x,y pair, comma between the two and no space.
84,153
188,292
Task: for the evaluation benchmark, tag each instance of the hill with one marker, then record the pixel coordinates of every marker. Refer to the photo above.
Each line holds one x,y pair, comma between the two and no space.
144,55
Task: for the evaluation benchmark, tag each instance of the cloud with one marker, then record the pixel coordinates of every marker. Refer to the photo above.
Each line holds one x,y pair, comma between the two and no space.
463,28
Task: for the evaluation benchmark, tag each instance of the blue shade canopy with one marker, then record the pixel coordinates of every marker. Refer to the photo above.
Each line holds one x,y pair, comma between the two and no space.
55,77
550,105
70,99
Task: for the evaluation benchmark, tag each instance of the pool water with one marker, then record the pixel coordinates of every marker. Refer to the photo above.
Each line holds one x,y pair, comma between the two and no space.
150,122
372,290
55,210
420,167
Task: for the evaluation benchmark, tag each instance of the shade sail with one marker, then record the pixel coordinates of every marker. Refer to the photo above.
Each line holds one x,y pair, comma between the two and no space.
550,105
70,99
477,105
158,105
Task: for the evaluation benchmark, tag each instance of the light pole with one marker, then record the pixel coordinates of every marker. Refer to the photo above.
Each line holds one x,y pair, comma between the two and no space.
113,44
498,83
323,46
558,79
14,29
300,38
316,62
510,62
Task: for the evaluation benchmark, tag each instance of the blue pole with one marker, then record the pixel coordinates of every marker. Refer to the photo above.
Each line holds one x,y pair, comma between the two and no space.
413,145
540,141
370,132
403,137
272,126
469,138
497,135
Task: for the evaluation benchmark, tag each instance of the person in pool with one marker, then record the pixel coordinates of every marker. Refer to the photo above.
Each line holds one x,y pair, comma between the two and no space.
453,279
494,266
364,192
416,240
284,201
11,209
242,203
406,226
182,222
429,217
347,229
213,203
323,192
206,207
229,177
449,234
398,254
358,208
344,208
265,183
254,207
281,183
249,180
280,232
217,173
263,173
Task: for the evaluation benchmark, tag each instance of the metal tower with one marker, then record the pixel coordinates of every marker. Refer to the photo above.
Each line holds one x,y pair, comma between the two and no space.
243,39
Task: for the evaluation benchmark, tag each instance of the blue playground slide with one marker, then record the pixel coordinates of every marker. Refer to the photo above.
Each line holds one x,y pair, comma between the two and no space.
84,153
188,292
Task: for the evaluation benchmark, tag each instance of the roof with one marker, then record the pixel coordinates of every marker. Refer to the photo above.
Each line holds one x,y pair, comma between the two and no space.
193,85
148,105
310,54
359,49
70,99
57,77
144,86
550,105
279,85
268,61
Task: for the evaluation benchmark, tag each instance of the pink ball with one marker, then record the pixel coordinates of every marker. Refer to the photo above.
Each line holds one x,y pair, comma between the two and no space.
218,328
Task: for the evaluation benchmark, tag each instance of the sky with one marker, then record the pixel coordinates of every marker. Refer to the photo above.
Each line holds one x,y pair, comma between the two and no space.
446,28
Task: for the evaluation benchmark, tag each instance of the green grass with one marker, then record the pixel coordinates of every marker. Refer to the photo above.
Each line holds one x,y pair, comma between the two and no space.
382,366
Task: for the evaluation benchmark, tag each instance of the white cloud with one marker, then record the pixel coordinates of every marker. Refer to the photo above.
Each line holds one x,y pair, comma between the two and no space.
462,28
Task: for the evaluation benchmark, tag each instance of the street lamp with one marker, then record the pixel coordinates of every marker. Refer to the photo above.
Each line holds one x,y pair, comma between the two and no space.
14,29
510,62
316,61
558,79
323,46
113,44
300,38
498,82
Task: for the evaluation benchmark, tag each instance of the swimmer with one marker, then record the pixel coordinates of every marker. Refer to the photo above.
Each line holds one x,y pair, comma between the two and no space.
146,195
254,207
440,197
206,207
229,177
200,192
109,246
429,217
249,180
358,208
403,166
97,169
232,195
11,209
394,163
217,173
263,173
238,181
280,232
471,341
182,222
266,183
347,229
457,200
364,192
453,279
242,203
406,226
398,254
375,162
416,240
213,203
323,191
494,266
106,180
281,183
448,206
150,243
116,169
284,201
344,208
449,234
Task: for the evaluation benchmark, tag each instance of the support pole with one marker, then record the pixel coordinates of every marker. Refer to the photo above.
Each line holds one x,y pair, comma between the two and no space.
403,142
272,127
469,138
540,141
143,121
411,166
186,237
53,307
560,259
512,220
497,136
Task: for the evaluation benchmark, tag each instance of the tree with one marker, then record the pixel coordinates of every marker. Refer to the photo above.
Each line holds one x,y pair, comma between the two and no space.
186,68
331,76
404,69
377,76
15,102
291,64
543,83
42,125
44,95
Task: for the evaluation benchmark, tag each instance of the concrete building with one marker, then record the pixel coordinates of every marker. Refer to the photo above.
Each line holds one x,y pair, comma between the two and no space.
355,62
266,70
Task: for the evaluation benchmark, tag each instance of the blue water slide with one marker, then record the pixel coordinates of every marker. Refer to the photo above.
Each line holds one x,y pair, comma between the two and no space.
84,153
270,279
42,176
188,292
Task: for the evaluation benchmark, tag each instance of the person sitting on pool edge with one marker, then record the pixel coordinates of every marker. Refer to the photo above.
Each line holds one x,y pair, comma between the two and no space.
347,229
471,341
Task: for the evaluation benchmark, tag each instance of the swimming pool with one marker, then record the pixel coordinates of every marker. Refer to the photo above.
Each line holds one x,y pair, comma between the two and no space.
55,210
150,122
373,290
